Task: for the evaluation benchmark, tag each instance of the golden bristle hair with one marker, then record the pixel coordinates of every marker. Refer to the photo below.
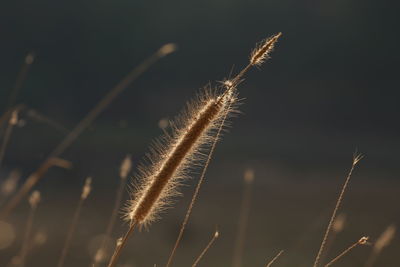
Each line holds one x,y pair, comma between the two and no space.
173,155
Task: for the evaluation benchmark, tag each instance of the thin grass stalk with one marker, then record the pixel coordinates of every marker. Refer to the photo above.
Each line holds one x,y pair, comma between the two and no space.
34,243
356,159
84,123
11,123
33,202
337,227
215,236
269,264
362,241
30,182
196,191
85,192
41,118
120,245
243,218
21,77
124,170
29,59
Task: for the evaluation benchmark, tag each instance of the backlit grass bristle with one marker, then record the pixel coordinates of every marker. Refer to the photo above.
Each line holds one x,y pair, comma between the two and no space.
263,49
177,152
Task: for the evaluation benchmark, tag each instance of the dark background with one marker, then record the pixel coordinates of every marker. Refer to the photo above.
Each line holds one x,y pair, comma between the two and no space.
331,87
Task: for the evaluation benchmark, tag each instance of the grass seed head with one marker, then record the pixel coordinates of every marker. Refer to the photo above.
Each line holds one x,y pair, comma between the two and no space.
263,49
86,188
34,199
126,167
173,156
385,238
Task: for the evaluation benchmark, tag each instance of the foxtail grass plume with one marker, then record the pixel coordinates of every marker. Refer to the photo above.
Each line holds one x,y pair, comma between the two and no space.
172,157
177,152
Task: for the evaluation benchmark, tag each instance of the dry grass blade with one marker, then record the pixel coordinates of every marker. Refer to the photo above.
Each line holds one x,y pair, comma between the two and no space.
269,264
34,200
86,121
215,236
243,218
362,241
356,159
85,193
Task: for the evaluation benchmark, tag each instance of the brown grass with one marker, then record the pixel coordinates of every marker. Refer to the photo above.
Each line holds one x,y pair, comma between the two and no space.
356,159
83,124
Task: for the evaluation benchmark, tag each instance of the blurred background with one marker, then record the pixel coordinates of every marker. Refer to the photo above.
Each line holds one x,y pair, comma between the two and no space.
331,87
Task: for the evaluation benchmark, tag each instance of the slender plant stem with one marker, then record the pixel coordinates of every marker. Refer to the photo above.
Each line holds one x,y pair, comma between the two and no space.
20,79
356,159
39,117
362,241
196,191
328,245
83,124
7,134
233,83
215,236
70,233
241,230
274,259
27,236
14,91
120,246
103,245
